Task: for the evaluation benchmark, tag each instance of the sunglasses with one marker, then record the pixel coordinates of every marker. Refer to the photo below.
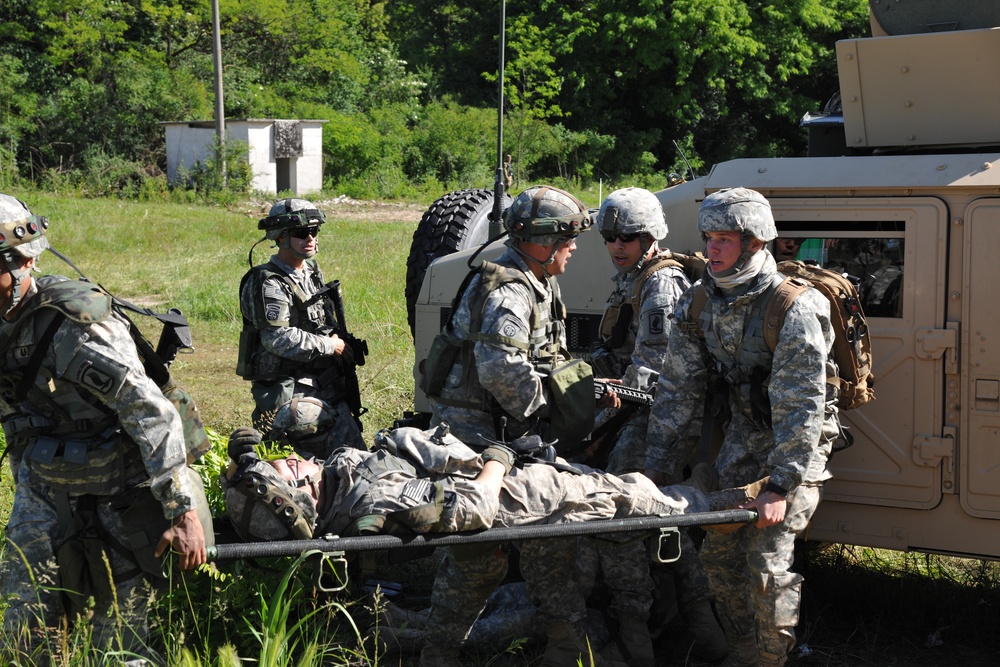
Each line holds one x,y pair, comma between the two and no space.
625,238
305,232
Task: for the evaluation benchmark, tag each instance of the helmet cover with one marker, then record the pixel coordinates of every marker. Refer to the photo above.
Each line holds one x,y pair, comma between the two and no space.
290,214
544,215
264,506
20,231
737,210
302,419
632,211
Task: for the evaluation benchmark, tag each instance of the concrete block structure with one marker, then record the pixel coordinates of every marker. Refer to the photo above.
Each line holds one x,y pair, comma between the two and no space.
284,155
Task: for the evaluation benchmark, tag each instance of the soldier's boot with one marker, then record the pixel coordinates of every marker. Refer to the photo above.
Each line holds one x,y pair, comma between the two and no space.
703,477
709,640
743,652
634,635
439,656
567,644
726,499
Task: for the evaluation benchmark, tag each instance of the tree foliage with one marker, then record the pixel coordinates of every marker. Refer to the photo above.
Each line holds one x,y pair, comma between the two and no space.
592,88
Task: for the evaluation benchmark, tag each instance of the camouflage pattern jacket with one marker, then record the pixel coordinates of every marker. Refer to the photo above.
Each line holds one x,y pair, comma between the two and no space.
641,353
290,341
427,484
92,421
504,372
803,420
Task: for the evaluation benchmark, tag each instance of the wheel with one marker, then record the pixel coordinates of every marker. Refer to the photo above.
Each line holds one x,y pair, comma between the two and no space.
457,221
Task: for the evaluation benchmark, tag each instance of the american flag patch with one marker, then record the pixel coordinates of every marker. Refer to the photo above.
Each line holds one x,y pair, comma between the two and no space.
417,490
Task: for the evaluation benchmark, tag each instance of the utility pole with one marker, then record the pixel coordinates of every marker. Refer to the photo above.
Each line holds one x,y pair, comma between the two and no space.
220,118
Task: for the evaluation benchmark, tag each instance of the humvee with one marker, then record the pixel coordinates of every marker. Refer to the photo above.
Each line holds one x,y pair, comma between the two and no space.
901,187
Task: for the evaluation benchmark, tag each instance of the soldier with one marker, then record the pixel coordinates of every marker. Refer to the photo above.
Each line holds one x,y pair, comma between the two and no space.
98,454
782,424
648,284
291,343
429,481
509,325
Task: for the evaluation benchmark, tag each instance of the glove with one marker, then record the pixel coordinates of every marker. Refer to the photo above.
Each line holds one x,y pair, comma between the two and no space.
347,355
242,441
501,453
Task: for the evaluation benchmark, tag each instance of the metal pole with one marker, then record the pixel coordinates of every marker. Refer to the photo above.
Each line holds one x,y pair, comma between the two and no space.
220,118
498,185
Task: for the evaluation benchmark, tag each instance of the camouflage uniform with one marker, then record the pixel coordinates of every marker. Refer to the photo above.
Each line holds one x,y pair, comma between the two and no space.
536,494
637,355
93,429
749,570
640,355
502,373
295,347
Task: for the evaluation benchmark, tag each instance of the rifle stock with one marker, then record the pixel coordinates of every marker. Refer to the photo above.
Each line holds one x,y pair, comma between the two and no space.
334,544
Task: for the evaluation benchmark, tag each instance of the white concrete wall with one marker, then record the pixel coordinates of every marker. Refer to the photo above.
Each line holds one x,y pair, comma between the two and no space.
189,144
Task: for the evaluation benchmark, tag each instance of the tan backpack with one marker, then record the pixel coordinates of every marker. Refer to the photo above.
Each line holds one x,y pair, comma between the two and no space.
852,346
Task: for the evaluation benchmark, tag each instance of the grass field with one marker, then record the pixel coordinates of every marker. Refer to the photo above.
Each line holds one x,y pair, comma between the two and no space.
862,607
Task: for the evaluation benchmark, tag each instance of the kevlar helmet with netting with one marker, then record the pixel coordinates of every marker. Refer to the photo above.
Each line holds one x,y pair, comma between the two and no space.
21,232
263,506
289,214
737,210
306,424
632,211
544,215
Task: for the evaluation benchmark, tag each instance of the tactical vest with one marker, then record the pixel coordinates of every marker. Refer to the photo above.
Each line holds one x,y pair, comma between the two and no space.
543,347
373,468
748,369
307,312
71,440
623,307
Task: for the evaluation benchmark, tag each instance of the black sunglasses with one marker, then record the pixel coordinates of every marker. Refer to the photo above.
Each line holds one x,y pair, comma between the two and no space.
625,238
304,232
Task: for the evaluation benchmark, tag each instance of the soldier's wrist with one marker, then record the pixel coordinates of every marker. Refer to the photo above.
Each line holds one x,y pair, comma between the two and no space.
501,454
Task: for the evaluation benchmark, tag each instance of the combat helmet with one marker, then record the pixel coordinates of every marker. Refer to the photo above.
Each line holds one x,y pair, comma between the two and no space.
738,210
263,506
21,233
545,215
287,214
305,423
632,211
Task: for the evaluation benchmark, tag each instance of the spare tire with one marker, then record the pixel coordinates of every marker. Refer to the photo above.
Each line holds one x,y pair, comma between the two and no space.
457,221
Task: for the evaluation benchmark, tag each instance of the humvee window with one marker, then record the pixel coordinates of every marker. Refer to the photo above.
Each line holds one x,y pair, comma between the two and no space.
876,263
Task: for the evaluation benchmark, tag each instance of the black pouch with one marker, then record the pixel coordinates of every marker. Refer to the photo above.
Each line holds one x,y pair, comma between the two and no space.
442,356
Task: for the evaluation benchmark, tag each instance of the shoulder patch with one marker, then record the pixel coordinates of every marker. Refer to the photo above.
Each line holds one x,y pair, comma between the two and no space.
96,372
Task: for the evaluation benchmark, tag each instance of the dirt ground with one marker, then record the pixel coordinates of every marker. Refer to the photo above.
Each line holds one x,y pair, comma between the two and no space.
346,208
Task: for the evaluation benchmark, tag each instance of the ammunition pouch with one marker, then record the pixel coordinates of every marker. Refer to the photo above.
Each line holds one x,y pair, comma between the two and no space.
246,361
572,407
97,466
442,356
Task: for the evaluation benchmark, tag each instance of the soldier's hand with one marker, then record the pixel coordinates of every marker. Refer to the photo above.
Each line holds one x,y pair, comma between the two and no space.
609,399
187,538
242,441
338,344
770,509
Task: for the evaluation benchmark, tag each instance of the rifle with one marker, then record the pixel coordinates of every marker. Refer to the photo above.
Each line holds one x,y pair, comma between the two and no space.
626,394
359,348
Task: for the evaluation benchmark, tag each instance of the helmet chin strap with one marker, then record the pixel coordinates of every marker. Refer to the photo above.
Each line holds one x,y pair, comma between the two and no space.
18,274
544,265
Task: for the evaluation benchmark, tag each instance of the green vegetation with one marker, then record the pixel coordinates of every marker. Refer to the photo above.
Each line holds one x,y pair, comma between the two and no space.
593,89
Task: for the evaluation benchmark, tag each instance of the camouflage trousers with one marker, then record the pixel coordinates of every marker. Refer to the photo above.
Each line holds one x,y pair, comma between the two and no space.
468,575
756,593
687,576
269,397
31,583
